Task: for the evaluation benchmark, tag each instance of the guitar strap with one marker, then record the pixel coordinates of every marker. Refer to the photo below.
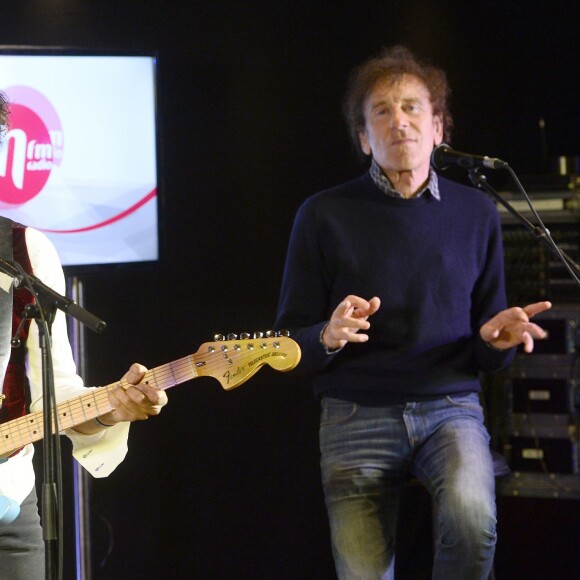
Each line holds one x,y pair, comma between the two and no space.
6,252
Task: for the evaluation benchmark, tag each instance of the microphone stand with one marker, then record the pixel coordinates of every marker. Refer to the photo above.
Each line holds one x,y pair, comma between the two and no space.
44,311
541,233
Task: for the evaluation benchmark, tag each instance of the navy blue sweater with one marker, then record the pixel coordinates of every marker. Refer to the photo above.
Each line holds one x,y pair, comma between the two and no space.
437,267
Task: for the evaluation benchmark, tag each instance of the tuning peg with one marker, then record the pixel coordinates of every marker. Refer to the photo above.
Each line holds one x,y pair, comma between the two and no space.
245,335
270,333
232,336
283,333
218,337
258,334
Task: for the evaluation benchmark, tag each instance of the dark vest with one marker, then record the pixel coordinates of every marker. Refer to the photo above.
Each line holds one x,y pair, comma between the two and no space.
14,387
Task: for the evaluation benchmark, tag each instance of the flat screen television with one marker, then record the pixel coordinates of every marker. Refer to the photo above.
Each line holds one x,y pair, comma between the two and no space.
79,160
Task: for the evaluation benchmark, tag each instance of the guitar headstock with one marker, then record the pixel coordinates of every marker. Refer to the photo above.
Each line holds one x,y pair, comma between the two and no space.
232,360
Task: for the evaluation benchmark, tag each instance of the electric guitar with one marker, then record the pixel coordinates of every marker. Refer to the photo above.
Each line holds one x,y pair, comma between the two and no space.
231,362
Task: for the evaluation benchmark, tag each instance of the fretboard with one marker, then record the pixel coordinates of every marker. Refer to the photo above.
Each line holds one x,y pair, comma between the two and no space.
19,432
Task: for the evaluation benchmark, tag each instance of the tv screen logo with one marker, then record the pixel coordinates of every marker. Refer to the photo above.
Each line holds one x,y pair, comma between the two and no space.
32,146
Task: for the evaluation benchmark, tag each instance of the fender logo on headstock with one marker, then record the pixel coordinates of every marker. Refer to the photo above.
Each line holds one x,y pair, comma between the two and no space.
229,375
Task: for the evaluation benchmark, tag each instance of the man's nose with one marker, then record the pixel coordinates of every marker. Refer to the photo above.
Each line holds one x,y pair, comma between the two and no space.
399,119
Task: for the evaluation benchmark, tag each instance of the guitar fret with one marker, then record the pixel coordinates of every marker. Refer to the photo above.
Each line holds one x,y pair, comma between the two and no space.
182,370
66,416
155,380
82,408
173,382
19,432
99,410
37,420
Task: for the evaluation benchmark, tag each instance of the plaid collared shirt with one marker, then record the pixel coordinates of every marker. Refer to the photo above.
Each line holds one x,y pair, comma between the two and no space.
385,185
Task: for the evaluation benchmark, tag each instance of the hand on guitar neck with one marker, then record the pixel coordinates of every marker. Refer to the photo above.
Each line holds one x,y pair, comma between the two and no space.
132,399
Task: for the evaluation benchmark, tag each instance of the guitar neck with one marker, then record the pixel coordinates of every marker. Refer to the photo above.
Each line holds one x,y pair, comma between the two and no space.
95,403
230,362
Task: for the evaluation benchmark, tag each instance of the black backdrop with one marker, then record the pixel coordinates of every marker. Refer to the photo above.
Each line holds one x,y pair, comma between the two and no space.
225,484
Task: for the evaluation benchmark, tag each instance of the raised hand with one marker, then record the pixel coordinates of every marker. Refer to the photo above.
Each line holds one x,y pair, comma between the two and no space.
348,318
511,327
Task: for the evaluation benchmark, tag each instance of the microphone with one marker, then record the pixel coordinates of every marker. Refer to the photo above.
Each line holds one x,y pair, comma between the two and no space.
443,156
11,274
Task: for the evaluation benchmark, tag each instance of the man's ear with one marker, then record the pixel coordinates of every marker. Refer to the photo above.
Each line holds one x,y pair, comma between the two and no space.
438,126
364,142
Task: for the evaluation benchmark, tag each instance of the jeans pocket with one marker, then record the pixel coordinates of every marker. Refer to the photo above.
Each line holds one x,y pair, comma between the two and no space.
469,401
336,411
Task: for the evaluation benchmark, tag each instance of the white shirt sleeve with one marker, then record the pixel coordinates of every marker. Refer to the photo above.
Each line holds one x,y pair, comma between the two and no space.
101,452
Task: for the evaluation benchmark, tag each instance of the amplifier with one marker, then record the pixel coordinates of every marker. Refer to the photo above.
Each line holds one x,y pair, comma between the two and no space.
544,366
543,395
543,425
532,271
547,485
562,323
542,455
562,336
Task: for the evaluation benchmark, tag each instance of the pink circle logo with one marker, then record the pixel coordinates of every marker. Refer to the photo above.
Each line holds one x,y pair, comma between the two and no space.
32,146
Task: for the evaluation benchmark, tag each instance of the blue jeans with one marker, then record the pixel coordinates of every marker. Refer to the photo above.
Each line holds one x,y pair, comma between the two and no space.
367,453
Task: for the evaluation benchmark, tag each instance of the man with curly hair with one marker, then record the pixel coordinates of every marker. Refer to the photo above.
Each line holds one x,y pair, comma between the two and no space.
394,288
